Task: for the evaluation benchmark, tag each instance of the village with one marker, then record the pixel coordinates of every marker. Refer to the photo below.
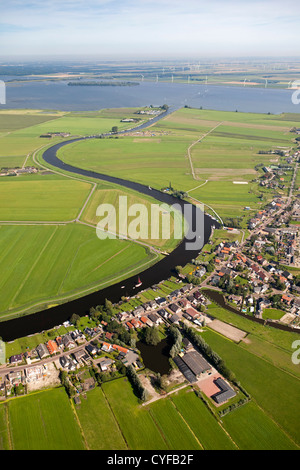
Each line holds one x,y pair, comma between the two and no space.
95,350
253,276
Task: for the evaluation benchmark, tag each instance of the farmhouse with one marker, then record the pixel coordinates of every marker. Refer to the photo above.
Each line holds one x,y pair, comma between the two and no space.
196,363
225,393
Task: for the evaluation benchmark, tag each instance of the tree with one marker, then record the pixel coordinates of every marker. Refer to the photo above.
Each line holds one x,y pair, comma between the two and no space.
152,336
114,129
75,319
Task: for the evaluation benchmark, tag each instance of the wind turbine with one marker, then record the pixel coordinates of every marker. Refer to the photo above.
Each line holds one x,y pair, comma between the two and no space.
142,77
266,83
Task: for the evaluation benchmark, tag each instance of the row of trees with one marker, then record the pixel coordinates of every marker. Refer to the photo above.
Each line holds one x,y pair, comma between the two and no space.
176,339
137,386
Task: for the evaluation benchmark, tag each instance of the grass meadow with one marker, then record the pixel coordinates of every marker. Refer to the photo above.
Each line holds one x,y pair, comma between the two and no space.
226,154
44,421
44,264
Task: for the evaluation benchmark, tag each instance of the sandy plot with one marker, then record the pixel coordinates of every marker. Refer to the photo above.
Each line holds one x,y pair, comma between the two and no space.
207,385
229,331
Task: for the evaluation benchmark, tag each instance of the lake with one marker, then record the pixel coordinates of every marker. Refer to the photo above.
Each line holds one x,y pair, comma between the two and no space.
59,96
156,358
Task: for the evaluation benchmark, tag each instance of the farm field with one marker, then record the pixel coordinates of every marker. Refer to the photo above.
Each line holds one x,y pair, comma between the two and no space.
176,431
42,248
137,425
274,389
42,263
101,431
227,154
200,420
42,198
150,220
252,429
4,437
44,421
20,130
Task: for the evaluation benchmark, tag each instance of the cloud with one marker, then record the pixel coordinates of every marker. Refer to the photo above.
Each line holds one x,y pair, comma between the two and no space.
255,26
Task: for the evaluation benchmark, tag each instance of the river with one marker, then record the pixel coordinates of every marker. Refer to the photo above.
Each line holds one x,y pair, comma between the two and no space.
181,255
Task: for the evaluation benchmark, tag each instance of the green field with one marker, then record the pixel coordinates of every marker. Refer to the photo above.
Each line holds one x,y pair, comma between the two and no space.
201,421
44,421
275,390
98,423
46,263
137,425
176,431
42,198
252,429
227,155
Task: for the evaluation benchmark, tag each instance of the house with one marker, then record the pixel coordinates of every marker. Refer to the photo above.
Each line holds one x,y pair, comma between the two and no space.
161,301
42,350
81,356
17,358
107,346
122,316
129,325
15,377
187,344
183,303
91,349
192,313
52,346
136,323
197,294
145,321
225,393
116,347
174,318
200,271
105,363
68,341
155,318
152,304
64,361
286,298
138,311
162,312
174,308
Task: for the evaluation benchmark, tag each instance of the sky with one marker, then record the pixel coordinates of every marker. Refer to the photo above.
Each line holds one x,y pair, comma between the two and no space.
150,28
